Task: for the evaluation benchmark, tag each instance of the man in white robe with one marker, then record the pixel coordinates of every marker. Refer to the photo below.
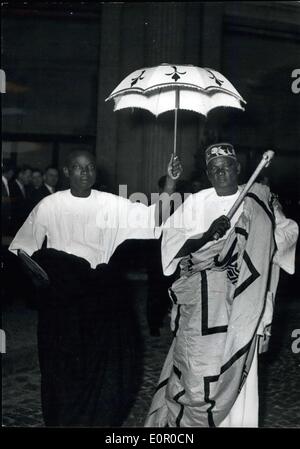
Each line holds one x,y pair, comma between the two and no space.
86,333
210,375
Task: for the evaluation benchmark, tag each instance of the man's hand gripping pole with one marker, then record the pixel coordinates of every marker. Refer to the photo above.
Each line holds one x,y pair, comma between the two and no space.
265,161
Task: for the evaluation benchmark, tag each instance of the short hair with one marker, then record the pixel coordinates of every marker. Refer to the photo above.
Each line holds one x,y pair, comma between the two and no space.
50,167
76,153
23,168
8,165
34,170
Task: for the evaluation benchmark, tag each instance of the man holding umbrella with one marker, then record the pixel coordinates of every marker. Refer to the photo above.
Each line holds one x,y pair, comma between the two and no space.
223,299
87,337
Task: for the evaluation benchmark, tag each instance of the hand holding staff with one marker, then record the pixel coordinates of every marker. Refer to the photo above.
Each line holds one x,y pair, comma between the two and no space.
265,161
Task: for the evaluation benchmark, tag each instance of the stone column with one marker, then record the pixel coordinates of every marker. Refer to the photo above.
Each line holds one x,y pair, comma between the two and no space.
108,78
164,43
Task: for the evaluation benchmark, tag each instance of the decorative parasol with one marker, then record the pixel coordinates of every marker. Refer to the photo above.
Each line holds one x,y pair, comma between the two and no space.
170,87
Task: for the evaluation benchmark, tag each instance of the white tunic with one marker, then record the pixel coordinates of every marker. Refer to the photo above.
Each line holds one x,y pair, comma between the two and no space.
192,219
91,228
197,213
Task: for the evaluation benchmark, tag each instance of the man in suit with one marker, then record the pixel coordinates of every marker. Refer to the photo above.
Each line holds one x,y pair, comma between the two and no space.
19,194
8,171
12,207
37,178
49,186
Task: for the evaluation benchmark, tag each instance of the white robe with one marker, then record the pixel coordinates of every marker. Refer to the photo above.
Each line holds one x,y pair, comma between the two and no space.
91,228
197,213
192,219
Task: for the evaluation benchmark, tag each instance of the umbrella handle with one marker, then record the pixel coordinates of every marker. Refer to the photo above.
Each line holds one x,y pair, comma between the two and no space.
175,120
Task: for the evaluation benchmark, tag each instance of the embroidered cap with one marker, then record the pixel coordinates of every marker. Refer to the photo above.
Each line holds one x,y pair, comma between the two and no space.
219,149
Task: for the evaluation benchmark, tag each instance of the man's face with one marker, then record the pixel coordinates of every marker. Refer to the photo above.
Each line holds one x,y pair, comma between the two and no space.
81,173
51,177
37,179
9,174
223,173
25,177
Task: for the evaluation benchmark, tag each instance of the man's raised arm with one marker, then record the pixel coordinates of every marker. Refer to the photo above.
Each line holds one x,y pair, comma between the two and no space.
164,206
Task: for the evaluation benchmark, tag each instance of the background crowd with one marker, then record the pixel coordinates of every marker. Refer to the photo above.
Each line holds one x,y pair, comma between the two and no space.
22,188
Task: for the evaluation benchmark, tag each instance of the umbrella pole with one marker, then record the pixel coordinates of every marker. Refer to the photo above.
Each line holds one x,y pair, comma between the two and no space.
175,120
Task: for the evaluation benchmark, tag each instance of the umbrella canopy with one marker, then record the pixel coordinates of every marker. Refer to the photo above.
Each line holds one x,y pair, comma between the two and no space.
171,87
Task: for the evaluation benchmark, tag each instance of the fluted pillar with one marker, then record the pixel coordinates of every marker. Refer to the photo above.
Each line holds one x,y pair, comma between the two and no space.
119,134
164,43
108,77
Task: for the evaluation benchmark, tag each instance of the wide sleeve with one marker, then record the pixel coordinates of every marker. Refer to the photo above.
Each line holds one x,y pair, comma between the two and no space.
286,235
31,235
136,221
185,223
